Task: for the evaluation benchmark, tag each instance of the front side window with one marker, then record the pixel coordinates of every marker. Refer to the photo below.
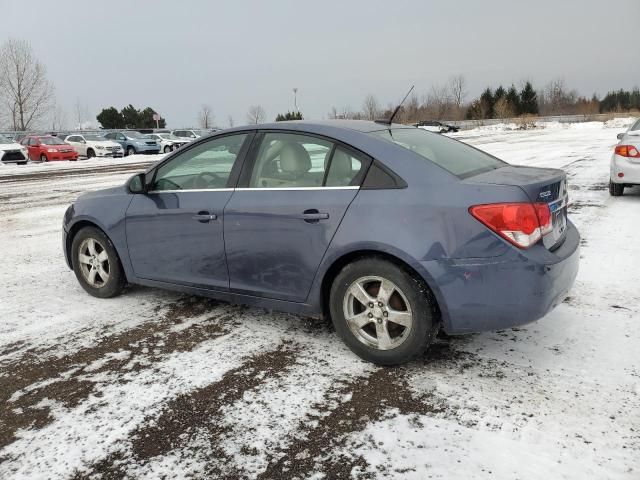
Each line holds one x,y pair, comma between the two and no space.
456,157
204,167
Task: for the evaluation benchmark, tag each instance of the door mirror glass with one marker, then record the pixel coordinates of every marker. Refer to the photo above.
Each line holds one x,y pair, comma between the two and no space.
137,183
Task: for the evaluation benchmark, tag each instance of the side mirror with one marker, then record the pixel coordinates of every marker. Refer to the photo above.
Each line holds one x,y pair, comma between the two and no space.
137,184
620,136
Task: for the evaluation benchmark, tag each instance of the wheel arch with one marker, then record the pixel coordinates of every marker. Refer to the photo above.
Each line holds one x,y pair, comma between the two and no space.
73,231
339,263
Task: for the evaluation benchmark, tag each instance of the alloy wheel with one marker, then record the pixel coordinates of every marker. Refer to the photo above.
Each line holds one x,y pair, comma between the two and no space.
377,312
94,262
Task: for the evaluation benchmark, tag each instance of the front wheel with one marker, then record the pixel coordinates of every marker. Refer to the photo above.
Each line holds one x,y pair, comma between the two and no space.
131,151
167,149
96,263
43,158
616,189
382,312
90,153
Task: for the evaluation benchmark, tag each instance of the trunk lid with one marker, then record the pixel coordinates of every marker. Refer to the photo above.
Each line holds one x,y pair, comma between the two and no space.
547,185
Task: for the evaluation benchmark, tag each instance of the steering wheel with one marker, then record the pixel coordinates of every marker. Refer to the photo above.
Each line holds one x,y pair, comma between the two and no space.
201,181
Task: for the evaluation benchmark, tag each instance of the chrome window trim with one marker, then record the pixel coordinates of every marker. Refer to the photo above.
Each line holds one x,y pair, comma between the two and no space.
257,189
253,189
193,190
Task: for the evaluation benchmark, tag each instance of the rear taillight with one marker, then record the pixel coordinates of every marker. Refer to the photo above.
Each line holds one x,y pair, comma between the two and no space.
628,151
521,224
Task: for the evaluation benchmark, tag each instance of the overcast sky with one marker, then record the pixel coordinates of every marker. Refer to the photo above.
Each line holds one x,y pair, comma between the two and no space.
176,55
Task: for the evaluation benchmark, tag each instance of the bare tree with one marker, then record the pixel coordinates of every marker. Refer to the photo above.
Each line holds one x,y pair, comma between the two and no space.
370,107
437,102
457,89
333,114
256,114
205,117
230,121
58,118
503,109
24,88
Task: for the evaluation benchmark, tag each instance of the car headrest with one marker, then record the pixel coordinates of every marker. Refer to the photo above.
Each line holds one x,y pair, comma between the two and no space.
294,159
340,165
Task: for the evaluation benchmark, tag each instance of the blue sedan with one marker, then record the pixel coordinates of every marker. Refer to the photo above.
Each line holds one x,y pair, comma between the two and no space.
391,231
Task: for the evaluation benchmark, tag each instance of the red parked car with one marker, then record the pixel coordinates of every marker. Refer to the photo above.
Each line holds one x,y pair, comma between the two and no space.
47,148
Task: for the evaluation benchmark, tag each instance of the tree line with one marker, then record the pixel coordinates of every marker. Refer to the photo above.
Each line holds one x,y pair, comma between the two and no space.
27,101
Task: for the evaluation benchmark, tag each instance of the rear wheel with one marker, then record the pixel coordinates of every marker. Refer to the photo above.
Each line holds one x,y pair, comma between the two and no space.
382,312
616,189
43,158
96,263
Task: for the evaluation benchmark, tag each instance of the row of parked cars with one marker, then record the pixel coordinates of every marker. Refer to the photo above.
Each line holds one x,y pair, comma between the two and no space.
70,145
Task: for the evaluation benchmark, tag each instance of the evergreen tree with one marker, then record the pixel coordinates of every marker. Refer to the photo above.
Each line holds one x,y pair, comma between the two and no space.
528,100
131,116
487,104
499,93
513,99
289,116
110,118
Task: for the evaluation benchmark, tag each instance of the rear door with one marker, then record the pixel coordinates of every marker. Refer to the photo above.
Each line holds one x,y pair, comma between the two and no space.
175,231
294,191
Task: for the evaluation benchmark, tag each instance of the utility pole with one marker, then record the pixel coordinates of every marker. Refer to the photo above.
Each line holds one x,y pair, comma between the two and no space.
295,99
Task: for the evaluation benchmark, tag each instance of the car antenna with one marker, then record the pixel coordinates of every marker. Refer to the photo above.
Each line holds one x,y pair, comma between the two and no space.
395,112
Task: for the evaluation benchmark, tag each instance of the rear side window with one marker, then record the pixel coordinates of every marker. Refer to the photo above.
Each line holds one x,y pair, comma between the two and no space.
456,157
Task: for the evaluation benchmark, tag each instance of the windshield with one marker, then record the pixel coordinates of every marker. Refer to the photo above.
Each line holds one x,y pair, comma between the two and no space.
94,138
51,141
135,135
168,136
4,140
456,157
200,132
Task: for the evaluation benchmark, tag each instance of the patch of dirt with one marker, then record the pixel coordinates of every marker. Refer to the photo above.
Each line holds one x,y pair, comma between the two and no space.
67,379
197,414
369,400
578,205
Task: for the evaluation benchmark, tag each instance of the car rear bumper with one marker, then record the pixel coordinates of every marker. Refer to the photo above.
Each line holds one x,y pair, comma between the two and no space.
629,167
495,293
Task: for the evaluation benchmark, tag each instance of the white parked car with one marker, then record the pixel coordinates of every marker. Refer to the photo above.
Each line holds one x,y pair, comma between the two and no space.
625,162
168,142
12,152
94,145
190,135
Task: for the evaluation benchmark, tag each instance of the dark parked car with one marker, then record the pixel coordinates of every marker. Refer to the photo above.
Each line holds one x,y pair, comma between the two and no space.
392,231
437,127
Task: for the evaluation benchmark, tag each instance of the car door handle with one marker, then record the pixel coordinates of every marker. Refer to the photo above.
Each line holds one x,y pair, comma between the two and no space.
314,216
204,217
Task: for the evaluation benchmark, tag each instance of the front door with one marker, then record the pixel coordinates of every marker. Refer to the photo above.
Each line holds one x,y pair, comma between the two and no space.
279,224
175,232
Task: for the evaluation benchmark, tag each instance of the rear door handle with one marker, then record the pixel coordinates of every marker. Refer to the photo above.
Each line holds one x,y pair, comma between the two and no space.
314,216
204,217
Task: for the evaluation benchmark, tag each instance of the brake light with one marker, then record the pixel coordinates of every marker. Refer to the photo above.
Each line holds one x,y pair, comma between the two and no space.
521,224
628,151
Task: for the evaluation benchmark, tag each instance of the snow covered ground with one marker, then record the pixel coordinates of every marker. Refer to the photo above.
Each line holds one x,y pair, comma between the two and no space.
154,384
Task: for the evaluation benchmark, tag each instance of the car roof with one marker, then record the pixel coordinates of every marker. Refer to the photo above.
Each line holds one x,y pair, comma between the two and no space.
364,126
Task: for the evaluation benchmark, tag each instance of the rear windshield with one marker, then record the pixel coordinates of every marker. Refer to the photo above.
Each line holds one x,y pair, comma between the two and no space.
456,157
51,141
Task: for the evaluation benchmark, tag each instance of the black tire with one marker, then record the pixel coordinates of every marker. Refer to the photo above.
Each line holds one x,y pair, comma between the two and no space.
116,278
90,153
43,158
616,189
22,163
131,151
423,327
167,149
